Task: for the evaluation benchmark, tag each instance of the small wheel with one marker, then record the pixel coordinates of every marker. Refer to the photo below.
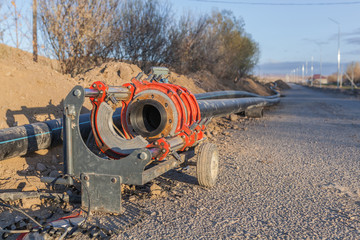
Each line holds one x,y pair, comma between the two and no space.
207,166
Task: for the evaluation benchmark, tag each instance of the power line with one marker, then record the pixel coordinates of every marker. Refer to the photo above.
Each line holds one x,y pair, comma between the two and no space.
281,4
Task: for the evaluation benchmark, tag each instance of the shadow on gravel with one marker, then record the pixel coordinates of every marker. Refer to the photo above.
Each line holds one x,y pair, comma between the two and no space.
180,177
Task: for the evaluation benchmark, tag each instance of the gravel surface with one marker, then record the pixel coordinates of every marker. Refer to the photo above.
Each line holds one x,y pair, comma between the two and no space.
293,174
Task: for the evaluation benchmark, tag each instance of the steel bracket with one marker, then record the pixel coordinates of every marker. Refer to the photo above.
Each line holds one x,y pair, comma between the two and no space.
101,192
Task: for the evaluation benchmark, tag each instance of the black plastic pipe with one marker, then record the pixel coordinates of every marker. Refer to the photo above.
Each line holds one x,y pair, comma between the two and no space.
19,141
231,94
220,107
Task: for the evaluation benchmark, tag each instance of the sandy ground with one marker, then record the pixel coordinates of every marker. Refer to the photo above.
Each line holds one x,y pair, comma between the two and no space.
295,174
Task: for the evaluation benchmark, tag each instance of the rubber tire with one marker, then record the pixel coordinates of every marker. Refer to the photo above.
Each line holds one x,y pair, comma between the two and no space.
207,166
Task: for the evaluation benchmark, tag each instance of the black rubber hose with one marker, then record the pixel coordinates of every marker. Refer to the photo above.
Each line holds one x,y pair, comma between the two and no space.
18,141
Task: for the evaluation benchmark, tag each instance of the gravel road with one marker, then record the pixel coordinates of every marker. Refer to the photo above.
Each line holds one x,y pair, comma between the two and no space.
293,174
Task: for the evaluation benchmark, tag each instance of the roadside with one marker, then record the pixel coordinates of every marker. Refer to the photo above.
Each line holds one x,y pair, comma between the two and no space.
334,89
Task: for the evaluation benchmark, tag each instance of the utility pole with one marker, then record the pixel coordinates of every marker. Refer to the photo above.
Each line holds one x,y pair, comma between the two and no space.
312,70
339,81
320,65
35,49
303,69
16,18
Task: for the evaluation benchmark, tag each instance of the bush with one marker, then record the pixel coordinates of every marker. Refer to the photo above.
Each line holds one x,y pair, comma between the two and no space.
80,33
143,32
217,44
353,71
143,36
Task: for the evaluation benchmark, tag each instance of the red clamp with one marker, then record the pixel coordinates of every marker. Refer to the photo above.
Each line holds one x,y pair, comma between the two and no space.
162,146
102,88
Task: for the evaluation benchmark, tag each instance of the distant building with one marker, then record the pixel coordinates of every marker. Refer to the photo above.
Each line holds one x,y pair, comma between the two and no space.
317,79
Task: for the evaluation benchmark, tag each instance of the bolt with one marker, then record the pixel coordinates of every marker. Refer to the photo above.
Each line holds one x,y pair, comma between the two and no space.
101,92
166,104
183,136
156,143
143,156
163,151
77,93
152,96
113,180
157,159
129,87
86,178
162,144
100,86
94,85
187,149
170,121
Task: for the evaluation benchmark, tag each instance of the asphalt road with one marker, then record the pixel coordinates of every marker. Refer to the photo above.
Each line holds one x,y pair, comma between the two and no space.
294,174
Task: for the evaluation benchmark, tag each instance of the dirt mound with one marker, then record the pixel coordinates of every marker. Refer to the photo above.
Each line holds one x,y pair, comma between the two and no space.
186,82
282,85
253,86
112,73
118,73
209,82
31,91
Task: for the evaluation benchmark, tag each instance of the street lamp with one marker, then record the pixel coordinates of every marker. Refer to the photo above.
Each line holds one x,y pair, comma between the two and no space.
320,63
338,73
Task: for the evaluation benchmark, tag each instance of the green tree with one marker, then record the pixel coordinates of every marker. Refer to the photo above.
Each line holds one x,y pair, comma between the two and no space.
239,53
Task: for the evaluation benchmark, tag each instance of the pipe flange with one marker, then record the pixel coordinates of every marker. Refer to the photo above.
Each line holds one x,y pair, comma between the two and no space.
152,114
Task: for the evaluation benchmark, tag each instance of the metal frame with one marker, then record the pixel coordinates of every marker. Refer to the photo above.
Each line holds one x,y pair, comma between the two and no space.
101,178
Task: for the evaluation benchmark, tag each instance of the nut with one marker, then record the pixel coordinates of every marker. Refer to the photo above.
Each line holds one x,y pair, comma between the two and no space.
77,93
143,156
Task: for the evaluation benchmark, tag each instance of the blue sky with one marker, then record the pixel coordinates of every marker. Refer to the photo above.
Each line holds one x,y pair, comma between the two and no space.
290,35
